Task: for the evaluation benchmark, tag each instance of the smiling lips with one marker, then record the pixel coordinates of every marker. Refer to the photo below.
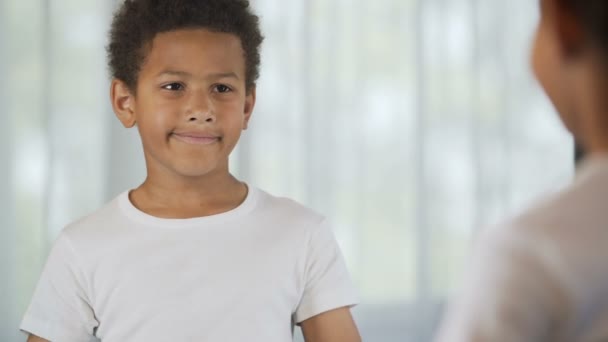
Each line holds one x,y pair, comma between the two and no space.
194,138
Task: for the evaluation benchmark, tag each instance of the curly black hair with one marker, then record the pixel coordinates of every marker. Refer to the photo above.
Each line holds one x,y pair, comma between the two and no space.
137,22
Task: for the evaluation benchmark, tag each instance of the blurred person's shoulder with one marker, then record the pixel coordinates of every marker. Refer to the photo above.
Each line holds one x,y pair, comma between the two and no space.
576,215
563,236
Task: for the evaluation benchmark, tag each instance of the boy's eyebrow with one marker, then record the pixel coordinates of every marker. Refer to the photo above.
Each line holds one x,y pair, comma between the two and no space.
224,75
210,76
173,73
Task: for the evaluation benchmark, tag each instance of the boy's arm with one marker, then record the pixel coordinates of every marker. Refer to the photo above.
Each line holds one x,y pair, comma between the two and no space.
332,326
34,338
60,310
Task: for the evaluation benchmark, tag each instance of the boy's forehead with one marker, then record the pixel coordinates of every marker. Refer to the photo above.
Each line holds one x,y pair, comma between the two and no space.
196,51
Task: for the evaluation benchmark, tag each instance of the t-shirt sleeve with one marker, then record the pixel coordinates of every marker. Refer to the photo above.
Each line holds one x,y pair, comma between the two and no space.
60,308
327,283
510,294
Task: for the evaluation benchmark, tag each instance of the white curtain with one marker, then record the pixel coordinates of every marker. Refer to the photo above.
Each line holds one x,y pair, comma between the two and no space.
411,124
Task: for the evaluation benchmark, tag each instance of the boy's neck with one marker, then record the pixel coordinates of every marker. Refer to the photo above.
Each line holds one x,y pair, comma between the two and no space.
189,198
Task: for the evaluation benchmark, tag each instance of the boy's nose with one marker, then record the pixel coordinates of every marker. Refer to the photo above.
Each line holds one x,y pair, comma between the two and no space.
201,110
206,116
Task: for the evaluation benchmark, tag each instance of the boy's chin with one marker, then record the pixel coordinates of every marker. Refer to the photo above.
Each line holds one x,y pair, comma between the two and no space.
197,171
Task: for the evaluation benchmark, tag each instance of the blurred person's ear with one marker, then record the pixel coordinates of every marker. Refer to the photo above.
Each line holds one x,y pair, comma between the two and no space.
123,103
567,26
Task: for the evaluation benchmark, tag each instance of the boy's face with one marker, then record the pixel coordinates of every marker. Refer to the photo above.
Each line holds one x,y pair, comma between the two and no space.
191,103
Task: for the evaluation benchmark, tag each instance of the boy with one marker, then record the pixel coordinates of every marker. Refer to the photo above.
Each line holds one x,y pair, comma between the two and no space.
544,275
192,254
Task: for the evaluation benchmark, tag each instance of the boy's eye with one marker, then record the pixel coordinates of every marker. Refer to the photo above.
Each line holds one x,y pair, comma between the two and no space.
220,88
173,86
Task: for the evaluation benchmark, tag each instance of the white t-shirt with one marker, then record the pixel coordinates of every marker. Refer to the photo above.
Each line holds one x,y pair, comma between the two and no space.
543,276
245,275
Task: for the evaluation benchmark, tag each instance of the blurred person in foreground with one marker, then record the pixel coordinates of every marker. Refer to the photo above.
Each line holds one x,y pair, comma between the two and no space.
543,276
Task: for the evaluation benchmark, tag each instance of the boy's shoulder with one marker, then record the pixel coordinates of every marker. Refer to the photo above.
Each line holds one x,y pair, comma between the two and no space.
286,208
261,205
106,216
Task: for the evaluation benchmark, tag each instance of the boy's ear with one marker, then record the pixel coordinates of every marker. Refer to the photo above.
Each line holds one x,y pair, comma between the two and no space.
567,25
123,103
249,105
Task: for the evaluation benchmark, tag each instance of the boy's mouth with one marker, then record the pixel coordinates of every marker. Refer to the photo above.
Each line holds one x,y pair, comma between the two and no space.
196,138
